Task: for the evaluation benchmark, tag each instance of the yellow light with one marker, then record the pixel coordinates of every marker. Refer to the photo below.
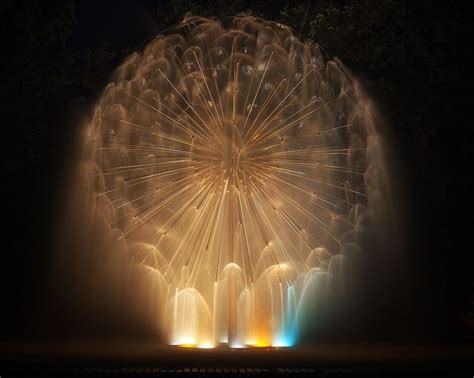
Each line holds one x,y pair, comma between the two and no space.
186,342
262,344
206,346
187,345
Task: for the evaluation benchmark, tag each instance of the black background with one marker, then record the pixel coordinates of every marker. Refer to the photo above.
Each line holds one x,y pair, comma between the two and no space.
57,57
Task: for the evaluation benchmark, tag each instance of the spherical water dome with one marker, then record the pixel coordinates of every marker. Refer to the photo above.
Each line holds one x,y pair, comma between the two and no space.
235,166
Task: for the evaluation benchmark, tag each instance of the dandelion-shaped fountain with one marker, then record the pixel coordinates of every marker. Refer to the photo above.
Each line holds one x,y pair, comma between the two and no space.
233,170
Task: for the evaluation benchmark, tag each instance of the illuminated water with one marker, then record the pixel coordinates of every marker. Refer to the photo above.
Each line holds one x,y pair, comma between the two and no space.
229,173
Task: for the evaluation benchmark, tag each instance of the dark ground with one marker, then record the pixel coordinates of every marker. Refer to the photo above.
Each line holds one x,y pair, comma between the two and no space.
412,57
329,360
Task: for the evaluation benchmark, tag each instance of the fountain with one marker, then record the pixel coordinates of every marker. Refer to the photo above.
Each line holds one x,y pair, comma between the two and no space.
226,178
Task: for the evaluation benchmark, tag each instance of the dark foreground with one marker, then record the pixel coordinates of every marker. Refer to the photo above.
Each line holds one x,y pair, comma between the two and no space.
148,360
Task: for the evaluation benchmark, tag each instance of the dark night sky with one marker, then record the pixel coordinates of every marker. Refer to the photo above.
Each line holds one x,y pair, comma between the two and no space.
432,138
115,25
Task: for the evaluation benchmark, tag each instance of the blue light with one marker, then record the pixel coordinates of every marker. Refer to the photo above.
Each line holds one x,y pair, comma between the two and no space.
287,337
